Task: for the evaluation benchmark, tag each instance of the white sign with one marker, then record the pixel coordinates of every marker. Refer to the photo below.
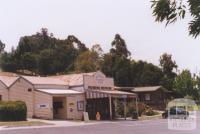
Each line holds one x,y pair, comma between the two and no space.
99,79
42,106
123,96
85,116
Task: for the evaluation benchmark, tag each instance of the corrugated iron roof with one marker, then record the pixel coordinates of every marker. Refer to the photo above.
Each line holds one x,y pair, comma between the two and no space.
44,80
74,79
146,89
8,80
59,91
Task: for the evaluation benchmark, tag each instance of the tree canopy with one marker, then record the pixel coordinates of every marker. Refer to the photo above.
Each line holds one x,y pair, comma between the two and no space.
2,46
43,54
169,11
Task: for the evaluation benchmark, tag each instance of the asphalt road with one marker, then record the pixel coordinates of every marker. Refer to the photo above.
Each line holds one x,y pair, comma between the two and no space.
120,127
159,126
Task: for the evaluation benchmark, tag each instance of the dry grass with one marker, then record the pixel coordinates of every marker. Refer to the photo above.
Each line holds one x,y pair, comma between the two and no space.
23,123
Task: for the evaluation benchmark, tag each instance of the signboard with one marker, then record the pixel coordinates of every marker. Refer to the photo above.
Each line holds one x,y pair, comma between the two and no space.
42,106
80,105
99,79
71,106
123,96
85,116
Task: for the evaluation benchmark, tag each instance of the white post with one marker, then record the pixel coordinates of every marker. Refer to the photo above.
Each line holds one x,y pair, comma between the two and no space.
125,108
110,106
137,107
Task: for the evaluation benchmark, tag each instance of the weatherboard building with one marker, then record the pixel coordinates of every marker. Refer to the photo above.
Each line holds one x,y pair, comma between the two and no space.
64,96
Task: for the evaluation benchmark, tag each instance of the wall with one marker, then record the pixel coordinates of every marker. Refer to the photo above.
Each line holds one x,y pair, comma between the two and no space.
3,92
44,86
72,111
19,91
43,99
157,98
98,81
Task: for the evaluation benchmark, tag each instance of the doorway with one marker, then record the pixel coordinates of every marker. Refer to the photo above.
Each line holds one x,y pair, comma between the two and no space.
100,105
59,108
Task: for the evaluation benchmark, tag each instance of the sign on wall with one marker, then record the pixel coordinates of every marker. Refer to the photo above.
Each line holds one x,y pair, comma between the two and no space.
80,105
99,79
42,106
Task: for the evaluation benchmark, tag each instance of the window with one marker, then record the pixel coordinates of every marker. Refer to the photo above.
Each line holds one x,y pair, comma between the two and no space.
147,97
0,97
58,104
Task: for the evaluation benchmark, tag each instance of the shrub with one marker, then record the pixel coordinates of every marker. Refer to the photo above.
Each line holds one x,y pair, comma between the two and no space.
150,112
13,111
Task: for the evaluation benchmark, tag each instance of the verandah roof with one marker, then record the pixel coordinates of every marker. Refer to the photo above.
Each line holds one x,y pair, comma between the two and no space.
59,91
106,93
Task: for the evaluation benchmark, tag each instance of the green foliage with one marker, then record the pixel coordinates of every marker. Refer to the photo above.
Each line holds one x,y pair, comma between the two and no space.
168,67
2,46
187,85
43,54
170,10
150,112
13,111
145,74
116,63
119,47
87,62
46,62
143,109
167,64
8,62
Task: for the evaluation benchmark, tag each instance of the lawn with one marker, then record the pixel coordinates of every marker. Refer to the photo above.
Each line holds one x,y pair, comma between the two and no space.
23,123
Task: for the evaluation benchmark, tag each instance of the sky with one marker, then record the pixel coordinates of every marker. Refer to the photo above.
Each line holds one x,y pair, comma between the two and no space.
96,22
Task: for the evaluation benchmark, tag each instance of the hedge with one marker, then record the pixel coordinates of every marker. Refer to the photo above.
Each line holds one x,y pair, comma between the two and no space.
13,111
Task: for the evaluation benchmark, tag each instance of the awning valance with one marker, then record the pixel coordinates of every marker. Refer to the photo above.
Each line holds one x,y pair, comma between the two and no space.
106,93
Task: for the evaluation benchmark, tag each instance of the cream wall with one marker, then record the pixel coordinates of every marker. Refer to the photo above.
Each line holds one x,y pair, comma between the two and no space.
44,86
75,114
43,99
98,81
19,92
3,92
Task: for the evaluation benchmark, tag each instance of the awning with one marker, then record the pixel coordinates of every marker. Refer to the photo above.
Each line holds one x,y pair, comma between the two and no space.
59,91
106,93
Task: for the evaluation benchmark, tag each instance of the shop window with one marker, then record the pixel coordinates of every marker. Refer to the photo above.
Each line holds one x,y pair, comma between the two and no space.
147,97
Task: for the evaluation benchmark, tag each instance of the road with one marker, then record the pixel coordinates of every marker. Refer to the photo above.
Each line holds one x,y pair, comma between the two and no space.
121,127
159,126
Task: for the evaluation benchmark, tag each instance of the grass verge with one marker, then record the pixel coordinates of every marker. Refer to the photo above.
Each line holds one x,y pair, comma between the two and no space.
23,123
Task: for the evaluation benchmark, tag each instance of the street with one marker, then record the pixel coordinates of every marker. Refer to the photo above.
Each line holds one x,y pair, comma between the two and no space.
158,126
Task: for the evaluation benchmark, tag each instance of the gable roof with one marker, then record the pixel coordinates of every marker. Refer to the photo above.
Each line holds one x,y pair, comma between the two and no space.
8,80
148,89
74,79
35,80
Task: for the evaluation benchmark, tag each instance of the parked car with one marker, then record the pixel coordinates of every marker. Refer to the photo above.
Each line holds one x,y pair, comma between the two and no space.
176,113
